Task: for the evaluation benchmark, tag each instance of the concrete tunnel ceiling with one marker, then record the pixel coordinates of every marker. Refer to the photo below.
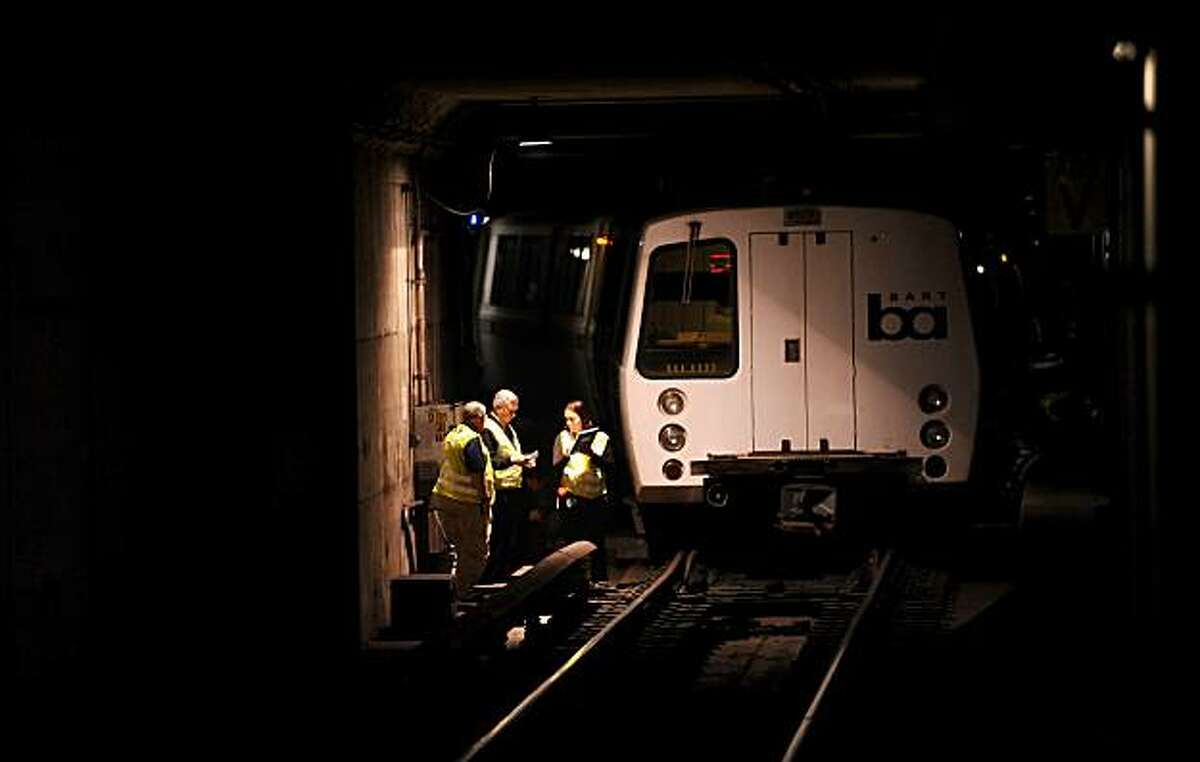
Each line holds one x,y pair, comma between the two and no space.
935,71
843,105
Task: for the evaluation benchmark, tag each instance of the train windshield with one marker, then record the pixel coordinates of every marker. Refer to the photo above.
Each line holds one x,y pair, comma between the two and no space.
689,321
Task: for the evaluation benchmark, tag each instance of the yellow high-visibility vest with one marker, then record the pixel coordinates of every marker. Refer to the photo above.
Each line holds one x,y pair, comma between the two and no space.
506,478
582,476
454,480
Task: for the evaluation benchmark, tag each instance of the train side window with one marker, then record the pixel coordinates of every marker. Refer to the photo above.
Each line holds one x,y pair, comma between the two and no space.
518,271
689,318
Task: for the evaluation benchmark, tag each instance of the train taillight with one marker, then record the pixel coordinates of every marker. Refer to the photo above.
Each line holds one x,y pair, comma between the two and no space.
673,469
935,467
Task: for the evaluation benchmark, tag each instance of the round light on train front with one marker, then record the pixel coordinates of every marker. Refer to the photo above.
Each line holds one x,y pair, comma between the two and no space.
935,467
933,399
673,469
671,402
716,495
935,435
672,437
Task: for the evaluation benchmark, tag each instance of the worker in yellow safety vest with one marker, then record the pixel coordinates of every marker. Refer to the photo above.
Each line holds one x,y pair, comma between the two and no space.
581,452
510,516
464,494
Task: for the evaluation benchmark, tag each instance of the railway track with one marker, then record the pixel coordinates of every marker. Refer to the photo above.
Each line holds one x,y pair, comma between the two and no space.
701,662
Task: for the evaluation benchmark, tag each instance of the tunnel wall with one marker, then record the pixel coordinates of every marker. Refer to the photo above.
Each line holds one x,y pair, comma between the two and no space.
383,299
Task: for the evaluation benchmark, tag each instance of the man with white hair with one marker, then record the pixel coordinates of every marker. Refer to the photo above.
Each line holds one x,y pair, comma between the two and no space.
464,494
510,519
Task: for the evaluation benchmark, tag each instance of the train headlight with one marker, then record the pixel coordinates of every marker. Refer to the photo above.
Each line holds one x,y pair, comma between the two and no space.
672,437
673,469
671,402
933,399
935,435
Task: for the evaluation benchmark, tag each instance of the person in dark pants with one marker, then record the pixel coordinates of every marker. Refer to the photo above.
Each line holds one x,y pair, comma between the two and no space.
581,453
463,495
510,517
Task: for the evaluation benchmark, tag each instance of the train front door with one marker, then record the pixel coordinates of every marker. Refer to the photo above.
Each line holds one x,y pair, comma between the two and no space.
829,337
777,344
801,324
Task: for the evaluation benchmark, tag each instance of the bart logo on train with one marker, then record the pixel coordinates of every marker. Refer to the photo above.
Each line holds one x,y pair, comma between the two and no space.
923,321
